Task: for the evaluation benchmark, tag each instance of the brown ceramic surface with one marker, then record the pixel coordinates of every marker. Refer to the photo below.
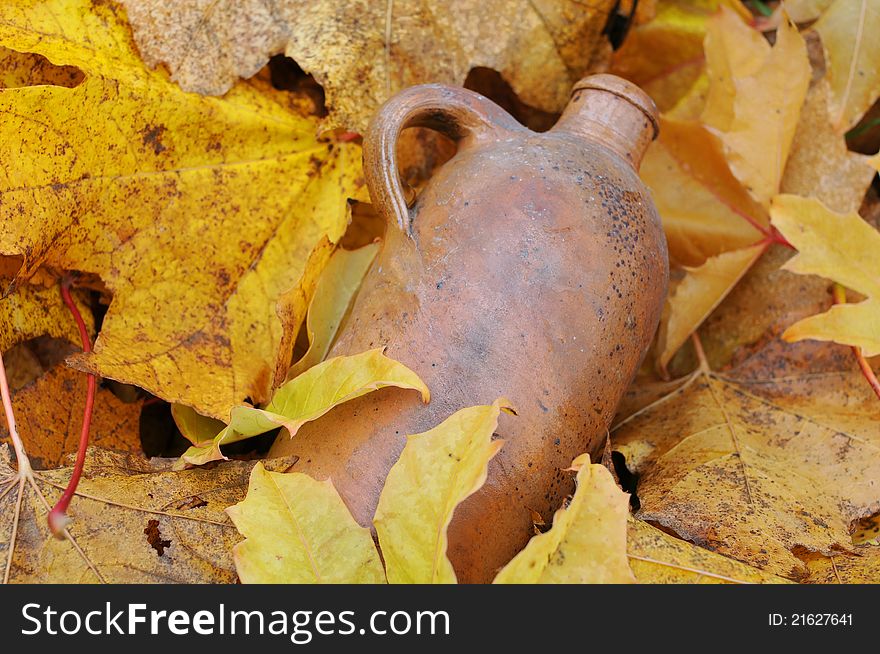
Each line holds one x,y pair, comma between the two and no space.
533,266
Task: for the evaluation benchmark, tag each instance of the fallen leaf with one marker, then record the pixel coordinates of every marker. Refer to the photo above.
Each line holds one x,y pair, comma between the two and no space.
336,288
19,69
133,522
436,471
665,55
35,308
193,426
862,566
705,210
308,397
773,457
698,294
49,416
364,52
806,11
819,164
754,98
203,216
848,29
842,247
587,542
658,558
299,531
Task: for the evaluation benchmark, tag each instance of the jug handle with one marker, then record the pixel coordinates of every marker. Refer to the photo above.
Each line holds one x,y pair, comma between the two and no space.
455,112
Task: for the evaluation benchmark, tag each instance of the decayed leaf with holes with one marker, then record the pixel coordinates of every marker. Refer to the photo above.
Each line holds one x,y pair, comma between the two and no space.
208,219
754,98
49,416
658,558
587,542
761,462
436,471
35,308
849,31
842,247
364,52
664,56
698,293
134,521
308,397
819,164
298,530
336,288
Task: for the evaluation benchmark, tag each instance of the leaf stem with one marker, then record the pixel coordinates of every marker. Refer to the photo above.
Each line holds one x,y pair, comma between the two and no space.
24,464
58,518
839,294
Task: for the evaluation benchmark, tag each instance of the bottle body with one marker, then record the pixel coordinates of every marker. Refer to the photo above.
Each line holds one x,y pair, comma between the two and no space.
536,269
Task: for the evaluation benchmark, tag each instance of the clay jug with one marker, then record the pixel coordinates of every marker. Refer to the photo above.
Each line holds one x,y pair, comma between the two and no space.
532,266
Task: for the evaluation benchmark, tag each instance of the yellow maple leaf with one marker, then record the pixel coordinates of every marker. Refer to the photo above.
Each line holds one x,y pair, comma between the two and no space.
849,35
842,247
304,398
664,56
436,471
587,542
299,531
208,218
754,98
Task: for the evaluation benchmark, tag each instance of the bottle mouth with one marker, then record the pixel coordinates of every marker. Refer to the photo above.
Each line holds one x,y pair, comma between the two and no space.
625,90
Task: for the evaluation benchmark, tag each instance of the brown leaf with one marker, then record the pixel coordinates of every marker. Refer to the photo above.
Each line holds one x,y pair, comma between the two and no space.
760,461
134,521
49,416
364,52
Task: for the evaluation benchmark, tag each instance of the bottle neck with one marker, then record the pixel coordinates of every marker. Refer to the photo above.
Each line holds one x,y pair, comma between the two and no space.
615,113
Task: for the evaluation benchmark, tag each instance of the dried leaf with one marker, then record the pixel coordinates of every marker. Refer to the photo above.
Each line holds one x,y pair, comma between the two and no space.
49,416
842,247
587,542
759,462
298,530
658,558
308,397
862,566
364,52
35,308
436,471
133,522
819,164
334,293
206,219
665,55
755,97
699,293
849,31
705,210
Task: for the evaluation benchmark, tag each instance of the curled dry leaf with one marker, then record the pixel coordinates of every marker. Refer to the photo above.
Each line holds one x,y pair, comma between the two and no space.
436,471
133,522
208,221
364,52
587,542
862,566
334,293
299,530
305,398
791,458
842,247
